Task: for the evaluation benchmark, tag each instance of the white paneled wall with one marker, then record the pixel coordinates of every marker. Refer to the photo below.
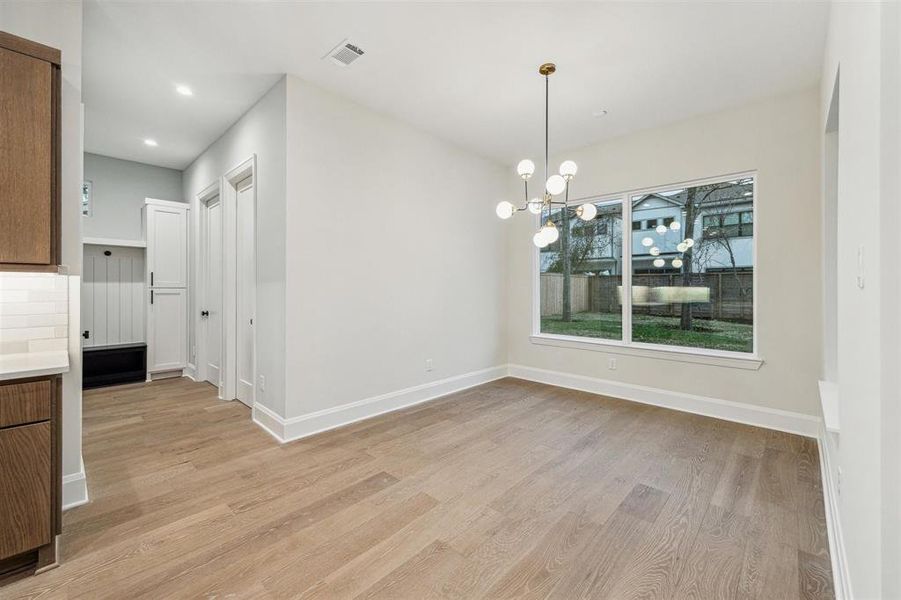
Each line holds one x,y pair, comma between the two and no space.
112,295
34,312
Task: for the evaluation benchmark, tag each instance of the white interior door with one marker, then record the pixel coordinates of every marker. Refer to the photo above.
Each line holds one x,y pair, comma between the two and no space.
211,311
246,291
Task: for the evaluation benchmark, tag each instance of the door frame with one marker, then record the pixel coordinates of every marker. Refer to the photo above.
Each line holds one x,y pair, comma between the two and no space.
203,198
229,198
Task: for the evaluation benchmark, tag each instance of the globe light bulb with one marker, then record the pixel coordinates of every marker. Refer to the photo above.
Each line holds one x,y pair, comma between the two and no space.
504,209
555,185
647,242
661,229
682,247
677,263
675,226
655,251
659,262
587,212
539,240
689,242
525,168
535,206
568,169
551,233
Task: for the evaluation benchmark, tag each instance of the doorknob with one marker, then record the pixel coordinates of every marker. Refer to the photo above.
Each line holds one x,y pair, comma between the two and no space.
204,313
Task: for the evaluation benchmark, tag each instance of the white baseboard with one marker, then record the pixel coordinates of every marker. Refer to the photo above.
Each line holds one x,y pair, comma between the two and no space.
75,489
770,418
190,372
295,428
841,581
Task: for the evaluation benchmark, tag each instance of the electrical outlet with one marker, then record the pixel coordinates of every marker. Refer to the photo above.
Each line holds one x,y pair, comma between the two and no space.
428,364
611,364
262,383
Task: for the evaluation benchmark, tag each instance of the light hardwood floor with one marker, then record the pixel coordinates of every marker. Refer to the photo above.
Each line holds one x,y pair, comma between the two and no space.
510,489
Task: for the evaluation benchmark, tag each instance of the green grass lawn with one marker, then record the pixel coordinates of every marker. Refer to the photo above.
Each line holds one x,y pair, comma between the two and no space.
715,335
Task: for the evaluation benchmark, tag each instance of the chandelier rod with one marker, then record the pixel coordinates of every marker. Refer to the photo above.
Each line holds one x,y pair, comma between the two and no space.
546,113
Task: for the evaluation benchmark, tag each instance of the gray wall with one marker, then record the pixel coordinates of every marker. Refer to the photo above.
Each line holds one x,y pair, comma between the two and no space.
120,187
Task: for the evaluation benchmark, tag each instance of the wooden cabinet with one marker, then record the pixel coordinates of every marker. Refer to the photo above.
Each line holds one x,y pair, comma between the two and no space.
29,155
30,477
25,503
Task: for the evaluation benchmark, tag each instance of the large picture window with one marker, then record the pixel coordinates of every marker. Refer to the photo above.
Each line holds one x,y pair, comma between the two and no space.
687,259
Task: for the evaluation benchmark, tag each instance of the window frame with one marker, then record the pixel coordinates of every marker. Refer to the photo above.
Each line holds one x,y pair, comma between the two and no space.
725,358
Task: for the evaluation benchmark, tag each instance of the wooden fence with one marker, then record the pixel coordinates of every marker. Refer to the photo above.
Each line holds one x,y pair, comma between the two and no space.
731,295
552,293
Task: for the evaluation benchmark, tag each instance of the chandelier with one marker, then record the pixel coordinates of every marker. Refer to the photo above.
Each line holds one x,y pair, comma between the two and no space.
554,186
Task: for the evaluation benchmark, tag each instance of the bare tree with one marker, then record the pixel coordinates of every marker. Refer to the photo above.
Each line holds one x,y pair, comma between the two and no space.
697,199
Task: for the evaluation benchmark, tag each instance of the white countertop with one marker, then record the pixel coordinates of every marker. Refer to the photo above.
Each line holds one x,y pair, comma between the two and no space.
33,364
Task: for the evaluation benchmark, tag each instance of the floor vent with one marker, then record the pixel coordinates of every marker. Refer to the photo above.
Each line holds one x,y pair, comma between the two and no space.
345,53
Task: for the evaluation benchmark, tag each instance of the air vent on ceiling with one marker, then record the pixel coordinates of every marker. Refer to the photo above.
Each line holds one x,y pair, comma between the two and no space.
345,53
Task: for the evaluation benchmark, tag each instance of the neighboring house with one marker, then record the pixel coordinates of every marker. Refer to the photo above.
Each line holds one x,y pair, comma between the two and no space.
722,232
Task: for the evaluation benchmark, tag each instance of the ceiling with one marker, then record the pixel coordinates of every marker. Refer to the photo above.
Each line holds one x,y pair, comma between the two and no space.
464,71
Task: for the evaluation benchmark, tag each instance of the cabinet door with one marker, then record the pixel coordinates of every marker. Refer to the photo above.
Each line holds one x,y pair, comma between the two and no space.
167,330
25,497
167,246
26,160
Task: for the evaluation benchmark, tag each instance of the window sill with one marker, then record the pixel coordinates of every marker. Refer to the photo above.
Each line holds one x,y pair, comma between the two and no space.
732,360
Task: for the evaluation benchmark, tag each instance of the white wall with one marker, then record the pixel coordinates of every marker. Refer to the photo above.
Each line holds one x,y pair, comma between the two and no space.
119,189
394,255
863,46
778,139
260,131
58,24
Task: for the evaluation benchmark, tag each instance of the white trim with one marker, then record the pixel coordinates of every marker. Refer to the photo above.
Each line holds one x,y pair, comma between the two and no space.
270,421
736,360
199,281
95,241
841,578
229,197
295,428
190,372
829,403
75,488
165,203
759,416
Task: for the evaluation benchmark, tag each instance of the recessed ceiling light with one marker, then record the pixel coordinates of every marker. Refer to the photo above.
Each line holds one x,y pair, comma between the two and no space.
150,142
599,113
184,90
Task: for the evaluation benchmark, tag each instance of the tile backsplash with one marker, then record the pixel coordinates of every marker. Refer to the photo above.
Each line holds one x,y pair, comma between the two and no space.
34,312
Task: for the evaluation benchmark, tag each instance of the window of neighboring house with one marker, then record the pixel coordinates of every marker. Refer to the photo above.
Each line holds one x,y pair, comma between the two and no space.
692,287
736,224
87,192
592,228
